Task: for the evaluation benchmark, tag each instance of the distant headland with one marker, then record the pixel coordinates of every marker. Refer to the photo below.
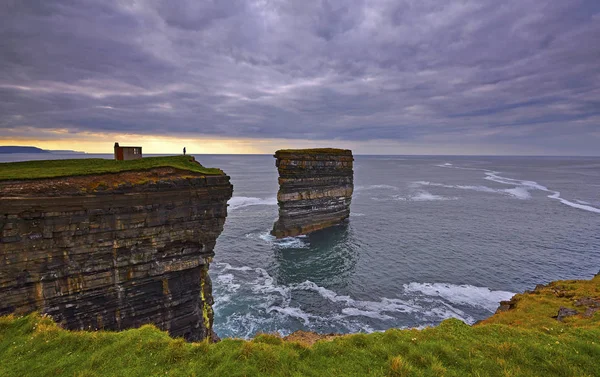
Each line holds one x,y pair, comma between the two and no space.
18,149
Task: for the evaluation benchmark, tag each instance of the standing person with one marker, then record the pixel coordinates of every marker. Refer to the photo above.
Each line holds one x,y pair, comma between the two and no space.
184,151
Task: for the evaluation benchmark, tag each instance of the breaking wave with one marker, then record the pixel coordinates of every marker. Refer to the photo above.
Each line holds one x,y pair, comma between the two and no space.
272,307
375,187
243,201
520,191
299,242
425,196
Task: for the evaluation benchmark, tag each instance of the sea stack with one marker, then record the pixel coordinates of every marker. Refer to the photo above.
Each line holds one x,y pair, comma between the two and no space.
315,189
113,251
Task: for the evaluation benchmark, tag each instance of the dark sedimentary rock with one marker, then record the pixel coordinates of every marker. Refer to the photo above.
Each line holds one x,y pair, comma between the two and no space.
315,189
565,312
117,258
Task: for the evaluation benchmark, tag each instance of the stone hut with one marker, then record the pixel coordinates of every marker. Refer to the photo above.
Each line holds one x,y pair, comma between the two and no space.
127,153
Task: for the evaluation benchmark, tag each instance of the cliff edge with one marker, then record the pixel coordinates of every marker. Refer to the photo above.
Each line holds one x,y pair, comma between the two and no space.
315,189
114,250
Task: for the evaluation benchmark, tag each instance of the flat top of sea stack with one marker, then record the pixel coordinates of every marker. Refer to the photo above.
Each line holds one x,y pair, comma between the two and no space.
328,151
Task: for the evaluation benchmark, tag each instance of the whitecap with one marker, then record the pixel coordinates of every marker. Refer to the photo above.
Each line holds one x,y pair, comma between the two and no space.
423,196
292,312
519,192
298,242
482,297
237,202
227,281
556,195
270,305
375,187
227,266
353,312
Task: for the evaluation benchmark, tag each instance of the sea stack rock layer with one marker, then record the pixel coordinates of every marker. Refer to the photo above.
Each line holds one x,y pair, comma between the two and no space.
315,189
113,251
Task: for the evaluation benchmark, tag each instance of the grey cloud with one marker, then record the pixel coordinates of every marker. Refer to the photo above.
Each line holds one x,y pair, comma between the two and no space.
519,72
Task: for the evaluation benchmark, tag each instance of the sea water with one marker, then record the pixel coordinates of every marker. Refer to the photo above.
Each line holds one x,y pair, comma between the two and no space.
428,238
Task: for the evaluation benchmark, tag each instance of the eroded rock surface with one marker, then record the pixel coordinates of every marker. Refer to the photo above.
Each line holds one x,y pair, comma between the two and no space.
113,255
315,189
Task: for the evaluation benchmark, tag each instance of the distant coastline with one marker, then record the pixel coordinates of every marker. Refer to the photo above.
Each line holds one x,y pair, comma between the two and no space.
9,149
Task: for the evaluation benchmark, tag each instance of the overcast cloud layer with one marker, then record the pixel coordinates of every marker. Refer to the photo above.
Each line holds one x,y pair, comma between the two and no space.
517,72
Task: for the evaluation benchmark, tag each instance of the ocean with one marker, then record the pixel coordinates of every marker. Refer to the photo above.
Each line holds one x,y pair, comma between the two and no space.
428,238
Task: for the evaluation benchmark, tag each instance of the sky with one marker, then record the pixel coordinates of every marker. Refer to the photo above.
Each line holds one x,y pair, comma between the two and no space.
252,76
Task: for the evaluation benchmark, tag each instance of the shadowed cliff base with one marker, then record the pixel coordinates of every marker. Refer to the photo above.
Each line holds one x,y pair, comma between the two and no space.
525,338
114,251
315,189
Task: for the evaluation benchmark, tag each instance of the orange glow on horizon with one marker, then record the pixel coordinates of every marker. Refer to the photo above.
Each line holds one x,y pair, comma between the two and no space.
103,144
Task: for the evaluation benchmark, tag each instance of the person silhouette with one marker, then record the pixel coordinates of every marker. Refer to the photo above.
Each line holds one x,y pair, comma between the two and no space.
184,151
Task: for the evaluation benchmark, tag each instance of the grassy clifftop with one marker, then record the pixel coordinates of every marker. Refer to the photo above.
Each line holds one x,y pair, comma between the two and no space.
29,170
524,340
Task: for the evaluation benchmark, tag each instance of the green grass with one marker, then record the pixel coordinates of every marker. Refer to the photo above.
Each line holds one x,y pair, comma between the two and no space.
505,345
79,167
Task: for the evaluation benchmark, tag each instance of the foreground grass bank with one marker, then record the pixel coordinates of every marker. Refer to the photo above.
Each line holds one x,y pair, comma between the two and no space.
89,166
523,341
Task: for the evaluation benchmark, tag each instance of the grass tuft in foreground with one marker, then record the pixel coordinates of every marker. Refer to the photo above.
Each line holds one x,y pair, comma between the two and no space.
523,341
88,166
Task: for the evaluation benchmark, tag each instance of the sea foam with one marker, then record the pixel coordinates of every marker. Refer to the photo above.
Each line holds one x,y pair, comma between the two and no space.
271,304
238,202
520,191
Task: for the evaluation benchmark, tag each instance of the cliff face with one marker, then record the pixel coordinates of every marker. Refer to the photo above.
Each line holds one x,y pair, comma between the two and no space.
315,189
113,251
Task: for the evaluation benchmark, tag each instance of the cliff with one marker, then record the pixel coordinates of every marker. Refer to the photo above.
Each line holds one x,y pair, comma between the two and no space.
315,189
113,251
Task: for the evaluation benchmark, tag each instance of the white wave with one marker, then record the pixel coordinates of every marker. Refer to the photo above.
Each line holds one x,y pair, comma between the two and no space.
324,292
284,243
423,196
462,294
493,176
298,242
227,266
556,195
356,214
353,312
227,281
440,313
244,201
517,192
445,165
521,191
292,312
582,202
375,187
270,305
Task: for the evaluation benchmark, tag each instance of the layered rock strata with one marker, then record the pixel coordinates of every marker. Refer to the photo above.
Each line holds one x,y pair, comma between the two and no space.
315,189
113,251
